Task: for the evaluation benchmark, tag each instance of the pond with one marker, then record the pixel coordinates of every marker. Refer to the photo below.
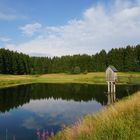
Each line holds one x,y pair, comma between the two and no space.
47,107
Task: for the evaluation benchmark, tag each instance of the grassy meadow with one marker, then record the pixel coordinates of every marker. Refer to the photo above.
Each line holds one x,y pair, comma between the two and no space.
90,78
120,121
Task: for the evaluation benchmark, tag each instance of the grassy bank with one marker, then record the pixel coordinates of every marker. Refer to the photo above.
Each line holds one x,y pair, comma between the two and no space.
120,121
13,80
90,78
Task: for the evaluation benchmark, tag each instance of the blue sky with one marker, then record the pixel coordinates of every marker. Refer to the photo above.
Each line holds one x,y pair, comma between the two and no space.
60,27
46,12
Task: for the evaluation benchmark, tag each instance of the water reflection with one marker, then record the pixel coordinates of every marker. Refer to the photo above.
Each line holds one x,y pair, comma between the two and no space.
111,98
24,109
17,96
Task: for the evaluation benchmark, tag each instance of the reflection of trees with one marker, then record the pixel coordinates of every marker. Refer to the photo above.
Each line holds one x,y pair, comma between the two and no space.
125,90
17,96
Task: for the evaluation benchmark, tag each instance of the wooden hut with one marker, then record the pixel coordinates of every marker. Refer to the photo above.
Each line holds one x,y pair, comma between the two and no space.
111,78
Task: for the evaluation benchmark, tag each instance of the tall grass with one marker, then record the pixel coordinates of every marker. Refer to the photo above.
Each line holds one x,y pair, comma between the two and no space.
120,121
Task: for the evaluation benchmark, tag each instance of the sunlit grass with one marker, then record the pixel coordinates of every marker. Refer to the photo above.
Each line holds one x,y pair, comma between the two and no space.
90,78
120,121
12,80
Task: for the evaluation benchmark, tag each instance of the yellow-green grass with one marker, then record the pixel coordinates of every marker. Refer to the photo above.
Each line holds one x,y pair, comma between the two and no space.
13,80
90,78
120,121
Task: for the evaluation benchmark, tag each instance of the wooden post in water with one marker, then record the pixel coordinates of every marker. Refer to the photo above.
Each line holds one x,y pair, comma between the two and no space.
111,77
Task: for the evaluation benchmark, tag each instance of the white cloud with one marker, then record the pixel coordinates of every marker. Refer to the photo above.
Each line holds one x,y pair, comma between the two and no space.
30,29
4,39
31,123
100,28
53,109
57,107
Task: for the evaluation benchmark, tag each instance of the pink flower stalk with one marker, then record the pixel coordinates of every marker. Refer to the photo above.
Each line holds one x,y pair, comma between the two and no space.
47,135
43,135
38,134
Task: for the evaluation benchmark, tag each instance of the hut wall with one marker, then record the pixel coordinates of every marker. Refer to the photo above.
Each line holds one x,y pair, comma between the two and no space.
110,75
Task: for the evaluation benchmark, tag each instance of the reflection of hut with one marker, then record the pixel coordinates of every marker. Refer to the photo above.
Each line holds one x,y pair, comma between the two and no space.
111,98
111,77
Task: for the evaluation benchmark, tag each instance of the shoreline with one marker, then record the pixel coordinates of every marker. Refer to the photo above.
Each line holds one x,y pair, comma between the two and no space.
95,78
88,83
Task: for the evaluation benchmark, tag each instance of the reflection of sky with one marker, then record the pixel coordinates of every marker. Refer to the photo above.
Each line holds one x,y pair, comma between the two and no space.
47,114
54,112
44,114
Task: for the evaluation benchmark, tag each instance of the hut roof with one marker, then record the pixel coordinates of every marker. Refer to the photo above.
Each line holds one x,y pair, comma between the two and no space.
113,68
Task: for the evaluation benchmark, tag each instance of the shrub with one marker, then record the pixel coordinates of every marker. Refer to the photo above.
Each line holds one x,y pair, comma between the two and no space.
77,70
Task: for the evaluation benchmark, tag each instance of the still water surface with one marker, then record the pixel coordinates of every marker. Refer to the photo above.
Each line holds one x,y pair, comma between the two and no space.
27,108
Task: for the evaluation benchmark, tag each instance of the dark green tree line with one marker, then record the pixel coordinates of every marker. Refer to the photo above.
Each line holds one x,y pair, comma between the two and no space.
14,63
124,59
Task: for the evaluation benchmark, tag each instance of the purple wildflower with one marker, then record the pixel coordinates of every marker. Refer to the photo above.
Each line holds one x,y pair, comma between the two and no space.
43,135
38,134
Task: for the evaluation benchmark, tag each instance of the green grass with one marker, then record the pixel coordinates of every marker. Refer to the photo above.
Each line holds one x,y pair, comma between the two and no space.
8,83
120,121
90,78
14,80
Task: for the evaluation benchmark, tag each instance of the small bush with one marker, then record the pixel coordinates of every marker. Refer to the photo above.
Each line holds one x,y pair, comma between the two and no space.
77,70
